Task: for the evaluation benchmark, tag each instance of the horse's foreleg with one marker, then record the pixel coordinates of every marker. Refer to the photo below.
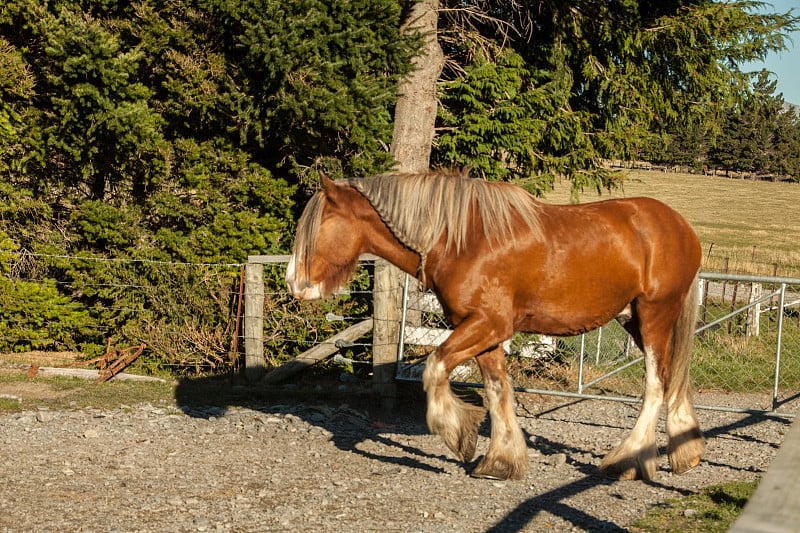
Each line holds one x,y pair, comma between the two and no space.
507,457
448,416
636,456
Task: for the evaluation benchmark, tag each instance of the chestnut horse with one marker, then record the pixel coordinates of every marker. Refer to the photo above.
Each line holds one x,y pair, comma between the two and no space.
500,261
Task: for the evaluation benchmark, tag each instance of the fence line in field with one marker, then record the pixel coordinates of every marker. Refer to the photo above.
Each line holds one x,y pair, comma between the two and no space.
422,327
749,336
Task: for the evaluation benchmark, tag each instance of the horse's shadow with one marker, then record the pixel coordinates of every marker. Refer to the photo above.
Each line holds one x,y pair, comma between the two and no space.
356,424
352,416
554,501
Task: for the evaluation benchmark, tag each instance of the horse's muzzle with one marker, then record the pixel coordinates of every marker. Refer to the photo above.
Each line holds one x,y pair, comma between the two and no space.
306,291
300,289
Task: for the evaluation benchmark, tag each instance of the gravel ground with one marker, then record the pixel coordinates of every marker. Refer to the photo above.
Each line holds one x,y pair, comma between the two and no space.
337,467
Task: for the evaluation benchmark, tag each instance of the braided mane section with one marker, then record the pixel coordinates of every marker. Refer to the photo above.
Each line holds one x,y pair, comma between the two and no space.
419,208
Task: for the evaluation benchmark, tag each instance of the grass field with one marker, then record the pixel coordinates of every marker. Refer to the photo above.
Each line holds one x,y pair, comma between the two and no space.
745,226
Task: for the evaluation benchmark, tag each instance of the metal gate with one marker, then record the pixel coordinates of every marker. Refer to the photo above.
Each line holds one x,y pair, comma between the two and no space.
747,342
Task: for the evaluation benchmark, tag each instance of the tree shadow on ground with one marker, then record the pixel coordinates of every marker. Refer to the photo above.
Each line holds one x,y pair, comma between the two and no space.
350,412
353,417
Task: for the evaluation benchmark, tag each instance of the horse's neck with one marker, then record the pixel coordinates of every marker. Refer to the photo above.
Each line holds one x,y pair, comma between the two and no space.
380,240
399,256
382,243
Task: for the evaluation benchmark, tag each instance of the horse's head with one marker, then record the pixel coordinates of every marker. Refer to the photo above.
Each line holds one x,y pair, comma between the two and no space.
327,244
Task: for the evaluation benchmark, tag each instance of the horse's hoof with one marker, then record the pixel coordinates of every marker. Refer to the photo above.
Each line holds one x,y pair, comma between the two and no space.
467,447
490,477
682,469
484,471
628,474
498,470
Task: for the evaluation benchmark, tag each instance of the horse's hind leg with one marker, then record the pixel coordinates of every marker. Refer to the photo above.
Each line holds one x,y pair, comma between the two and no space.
636,456
686,444
507,457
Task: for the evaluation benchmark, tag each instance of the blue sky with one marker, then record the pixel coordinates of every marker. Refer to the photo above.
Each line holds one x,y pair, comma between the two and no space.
784,65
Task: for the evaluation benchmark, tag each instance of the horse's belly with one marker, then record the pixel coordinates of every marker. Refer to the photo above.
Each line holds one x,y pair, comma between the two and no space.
559,326
563,319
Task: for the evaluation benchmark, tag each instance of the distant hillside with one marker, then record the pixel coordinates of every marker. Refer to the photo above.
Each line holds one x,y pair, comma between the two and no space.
788,106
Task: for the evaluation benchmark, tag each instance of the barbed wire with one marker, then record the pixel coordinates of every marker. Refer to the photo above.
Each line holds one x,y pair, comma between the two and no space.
121,260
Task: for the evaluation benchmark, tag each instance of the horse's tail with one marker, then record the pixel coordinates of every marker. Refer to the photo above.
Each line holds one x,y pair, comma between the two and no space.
682,340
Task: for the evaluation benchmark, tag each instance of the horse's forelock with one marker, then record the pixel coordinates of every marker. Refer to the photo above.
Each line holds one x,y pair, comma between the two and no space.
307,232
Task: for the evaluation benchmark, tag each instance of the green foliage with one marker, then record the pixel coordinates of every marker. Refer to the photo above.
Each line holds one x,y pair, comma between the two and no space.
15,85
510,123
759,136
99,118
321,77
218,206
137,135
601,80
35,316
190,131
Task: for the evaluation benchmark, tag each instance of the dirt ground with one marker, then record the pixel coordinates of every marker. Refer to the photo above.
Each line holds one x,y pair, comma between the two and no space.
203,460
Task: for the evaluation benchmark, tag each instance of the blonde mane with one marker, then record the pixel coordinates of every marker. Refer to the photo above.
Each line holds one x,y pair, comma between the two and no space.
420,208
307,230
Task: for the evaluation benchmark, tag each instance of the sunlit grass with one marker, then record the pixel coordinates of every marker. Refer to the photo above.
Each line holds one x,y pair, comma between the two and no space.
745,226
75,393
715,509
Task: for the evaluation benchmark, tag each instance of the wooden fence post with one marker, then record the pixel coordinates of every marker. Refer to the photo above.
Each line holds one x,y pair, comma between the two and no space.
753,328
254,321
387,305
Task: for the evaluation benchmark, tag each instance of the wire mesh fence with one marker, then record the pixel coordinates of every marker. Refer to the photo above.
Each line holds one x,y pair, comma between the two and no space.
188,315
748,341
292,327
68,308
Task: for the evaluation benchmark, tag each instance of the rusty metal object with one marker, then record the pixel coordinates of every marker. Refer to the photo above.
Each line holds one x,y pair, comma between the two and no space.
115,360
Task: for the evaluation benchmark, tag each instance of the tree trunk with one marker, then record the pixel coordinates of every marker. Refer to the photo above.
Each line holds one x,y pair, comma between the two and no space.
414,121
415,113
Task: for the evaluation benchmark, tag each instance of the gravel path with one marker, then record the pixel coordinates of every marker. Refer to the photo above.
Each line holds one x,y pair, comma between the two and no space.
333,467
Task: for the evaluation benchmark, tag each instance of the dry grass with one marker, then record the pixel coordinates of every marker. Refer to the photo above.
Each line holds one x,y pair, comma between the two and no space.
41,358
745,226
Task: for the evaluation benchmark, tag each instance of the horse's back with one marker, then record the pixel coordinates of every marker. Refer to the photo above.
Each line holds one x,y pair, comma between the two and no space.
640,224
592,260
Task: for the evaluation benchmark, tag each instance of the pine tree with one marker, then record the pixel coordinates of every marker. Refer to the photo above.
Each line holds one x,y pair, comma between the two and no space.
615,75
759,136
321,79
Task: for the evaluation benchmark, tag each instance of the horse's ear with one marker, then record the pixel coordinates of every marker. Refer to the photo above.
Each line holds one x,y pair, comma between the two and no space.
330,188
325,182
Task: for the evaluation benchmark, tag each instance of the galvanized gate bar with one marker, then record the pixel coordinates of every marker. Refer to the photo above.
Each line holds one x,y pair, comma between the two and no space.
747,278
739,311
581,387
778,346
